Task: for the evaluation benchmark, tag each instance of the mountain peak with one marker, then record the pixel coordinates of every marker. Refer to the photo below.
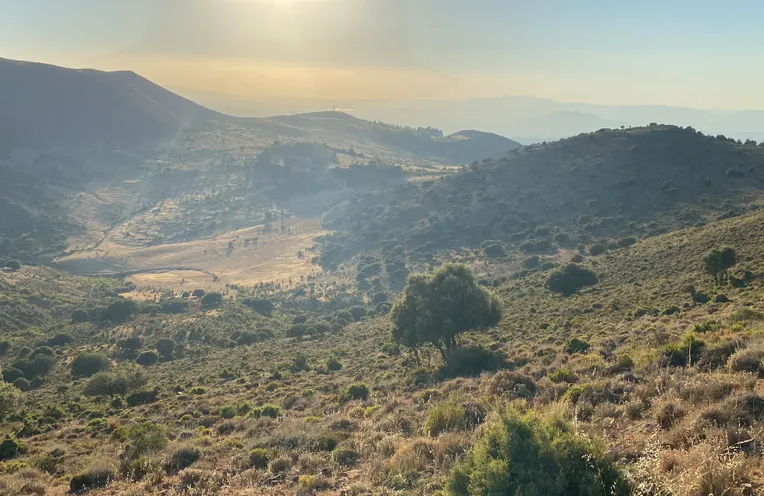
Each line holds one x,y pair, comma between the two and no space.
50,106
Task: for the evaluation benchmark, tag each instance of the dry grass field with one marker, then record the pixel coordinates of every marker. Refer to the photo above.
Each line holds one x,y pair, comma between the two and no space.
230,258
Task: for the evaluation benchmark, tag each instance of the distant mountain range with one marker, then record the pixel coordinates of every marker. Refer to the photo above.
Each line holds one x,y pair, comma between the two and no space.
527,119
44,106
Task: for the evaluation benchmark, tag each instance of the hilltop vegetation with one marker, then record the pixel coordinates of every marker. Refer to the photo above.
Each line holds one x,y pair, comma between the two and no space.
599,190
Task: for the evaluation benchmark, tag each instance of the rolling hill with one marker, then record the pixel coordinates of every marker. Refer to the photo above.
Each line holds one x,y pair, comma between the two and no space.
66,131
462,147
594,190
45,106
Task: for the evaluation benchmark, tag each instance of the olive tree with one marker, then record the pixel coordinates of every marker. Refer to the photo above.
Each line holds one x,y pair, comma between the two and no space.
718,262
435,308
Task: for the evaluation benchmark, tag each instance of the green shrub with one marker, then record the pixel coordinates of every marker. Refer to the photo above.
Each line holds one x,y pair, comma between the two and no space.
532,262
575,345
469,361
344,315
143,438
379,298
11,374
597,249
183,458
707,326
300,363
263,307
99,384
133,343
280,465
120,310
750,360
357,312
175,306
93,478
10,447
495,250
746,314
96,425
627,241
22,384
672,310
136,468
333,365
524,454
570,279
43,350
147,358
391,349
451,417
228,412
259,458
13,264
297,331
686,352
144,397
211,300
35,366
669,413
346,457
563,375
151,308
166,348
9,399
299,319
356,392
117,382
717,356
266,411
51,462
512,385
88,363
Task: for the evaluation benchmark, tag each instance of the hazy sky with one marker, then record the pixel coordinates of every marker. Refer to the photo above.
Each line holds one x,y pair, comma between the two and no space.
679,52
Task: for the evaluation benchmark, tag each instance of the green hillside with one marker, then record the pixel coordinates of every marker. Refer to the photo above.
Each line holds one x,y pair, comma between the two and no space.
248,399
598,189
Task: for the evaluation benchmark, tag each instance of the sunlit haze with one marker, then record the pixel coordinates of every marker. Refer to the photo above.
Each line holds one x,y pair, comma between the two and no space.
687,53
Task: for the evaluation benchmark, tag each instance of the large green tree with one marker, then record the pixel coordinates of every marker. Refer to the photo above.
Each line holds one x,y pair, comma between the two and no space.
435,308
718,262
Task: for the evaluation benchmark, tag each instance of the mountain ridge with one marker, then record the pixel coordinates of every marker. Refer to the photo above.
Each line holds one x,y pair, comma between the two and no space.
48,106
